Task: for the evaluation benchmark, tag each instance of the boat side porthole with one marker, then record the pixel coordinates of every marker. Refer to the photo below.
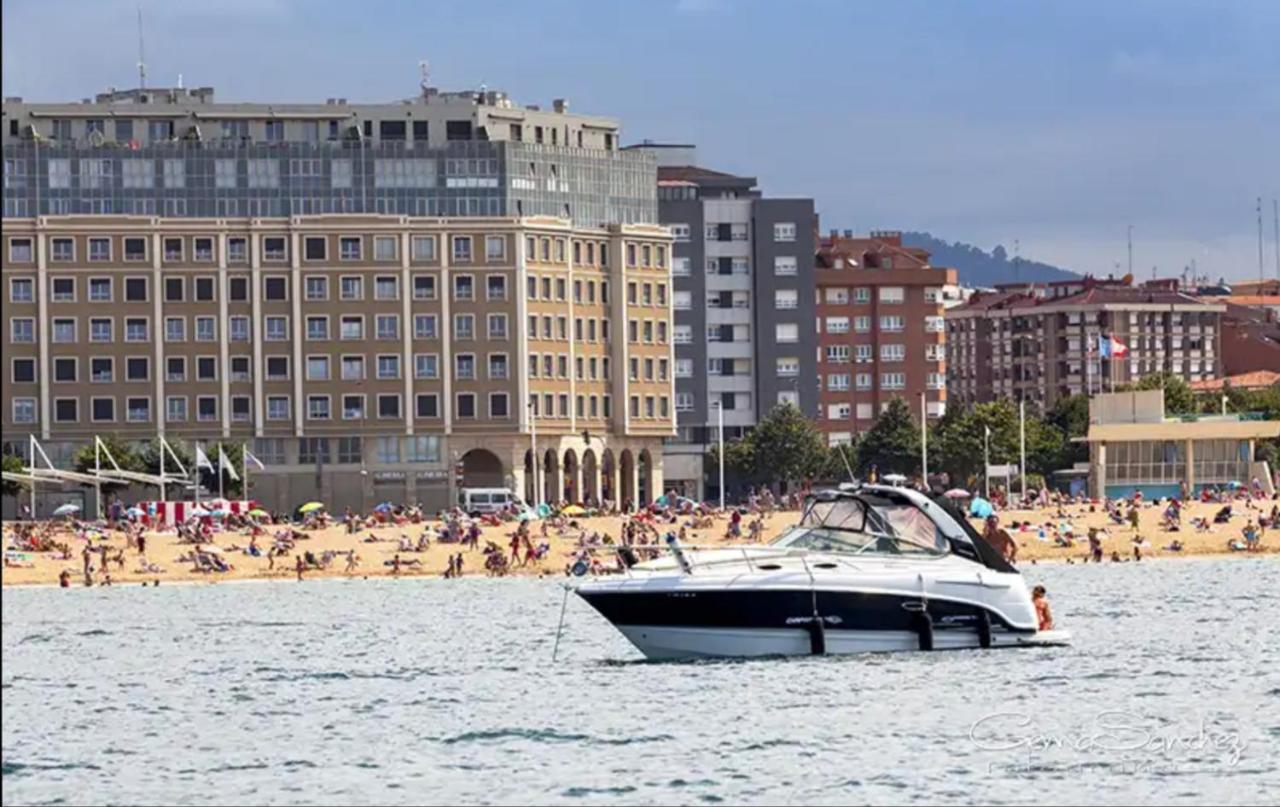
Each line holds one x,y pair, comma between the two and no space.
824,566
768,567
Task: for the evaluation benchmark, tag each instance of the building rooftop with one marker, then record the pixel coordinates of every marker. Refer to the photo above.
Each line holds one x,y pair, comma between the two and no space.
1258,379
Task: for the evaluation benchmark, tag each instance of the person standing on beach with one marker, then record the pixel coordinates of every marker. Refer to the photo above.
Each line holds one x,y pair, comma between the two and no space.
299,566
1095,545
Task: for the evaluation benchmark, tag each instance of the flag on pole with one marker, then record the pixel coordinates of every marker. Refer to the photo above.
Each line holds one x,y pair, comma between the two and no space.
1110,347
250,459
202,460
224,464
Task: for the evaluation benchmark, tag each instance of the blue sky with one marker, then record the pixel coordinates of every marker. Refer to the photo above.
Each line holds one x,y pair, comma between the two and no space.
1055,123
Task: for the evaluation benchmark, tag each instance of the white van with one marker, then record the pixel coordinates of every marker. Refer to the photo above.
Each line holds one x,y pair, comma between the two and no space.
478,501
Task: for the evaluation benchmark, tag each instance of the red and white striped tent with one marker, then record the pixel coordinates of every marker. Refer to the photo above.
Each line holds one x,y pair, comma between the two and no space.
177,512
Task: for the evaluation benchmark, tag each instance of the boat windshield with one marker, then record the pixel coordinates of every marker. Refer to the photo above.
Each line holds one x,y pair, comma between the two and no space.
867,524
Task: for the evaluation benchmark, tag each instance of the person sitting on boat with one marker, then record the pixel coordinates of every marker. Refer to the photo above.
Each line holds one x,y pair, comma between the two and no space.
1044,614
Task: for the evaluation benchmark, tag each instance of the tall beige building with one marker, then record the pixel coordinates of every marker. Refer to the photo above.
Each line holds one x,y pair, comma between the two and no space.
363,356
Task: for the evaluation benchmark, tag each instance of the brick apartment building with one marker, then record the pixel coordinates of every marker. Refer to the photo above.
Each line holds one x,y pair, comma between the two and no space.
1039,345
881,331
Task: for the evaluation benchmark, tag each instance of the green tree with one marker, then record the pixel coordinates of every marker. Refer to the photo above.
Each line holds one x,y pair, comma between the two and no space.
893,444
1178,398
86,460
784,447
11,464
1070,416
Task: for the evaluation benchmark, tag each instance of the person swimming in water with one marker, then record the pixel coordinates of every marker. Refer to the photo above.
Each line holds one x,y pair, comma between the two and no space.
1040,600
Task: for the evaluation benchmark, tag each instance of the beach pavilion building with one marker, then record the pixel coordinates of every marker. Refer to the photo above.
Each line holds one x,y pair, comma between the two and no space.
1134,447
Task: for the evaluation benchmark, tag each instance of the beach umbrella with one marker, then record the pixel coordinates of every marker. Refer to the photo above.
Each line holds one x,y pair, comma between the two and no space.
258,512
957,493
219,513
574,510
385,507
1234,485
67,509
134,512
310,507
980,507
199,512
526,515
894,478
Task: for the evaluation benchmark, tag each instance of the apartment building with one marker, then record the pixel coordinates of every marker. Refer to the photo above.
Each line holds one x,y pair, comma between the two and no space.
381,354
1027,345
880,330
742,273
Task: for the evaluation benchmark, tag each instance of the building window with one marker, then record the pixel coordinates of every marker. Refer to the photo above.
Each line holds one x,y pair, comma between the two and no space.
784,231
388,406
428,405
386,288
466,405
175,408
426,366
385,248
462,249
349,248
495,247
424,247
388,366
424,287
351,288
463,287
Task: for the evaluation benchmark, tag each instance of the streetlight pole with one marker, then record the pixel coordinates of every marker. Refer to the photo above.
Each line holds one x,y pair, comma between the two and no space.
720,412
533,448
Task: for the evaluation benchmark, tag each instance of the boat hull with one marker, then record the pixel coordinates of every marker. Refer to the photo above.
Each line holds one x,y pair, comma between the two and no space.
659,643
671,616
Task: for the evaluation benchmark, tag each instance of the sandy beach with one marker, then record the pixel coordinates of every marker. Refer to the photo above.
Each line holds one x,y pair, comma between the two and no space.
163,549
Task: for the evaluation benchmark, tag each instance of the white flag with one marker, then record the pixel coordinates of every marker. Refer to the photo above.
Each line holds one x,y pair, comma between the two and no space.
252,460
224,464
202,459
988,428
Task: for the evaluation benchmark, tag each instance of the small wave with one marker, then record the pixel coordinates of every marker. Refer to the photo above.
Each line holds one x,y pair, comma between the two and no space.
298,763
8,768
36,638
319,676
253,766
548,736
584,792
94,632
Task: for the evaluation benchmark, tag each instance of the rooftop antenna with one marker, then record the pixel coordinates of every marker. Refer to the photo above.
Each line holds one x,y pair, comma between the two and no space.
142,62
1261,276
1275,214
1130,249
424,69
1017,249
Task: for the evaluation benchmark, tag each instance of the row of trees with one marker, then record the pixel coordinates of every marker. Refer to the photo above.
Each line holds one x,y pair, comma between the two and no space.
788,447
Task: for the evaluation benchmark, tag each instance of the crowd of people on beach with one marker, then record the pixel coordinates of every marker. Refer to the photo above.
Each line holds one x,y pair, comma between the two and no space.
216,544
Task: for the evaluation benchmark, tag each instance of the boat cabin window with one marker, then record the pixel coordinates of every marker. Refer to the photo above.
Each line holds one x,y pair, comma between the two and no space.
866,524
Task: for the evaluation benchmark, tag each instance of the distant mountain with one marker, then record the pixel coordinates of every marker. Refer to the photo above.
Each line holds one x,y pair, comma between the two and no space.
979,268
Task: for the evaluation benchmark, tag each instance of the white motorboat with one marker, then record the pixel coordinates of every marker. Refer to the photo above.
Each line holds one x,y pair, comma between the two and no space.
868,568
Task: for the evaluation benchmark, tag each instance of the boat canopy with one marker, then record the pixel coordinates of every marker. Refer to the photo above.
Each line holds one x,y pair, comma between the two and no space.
889,519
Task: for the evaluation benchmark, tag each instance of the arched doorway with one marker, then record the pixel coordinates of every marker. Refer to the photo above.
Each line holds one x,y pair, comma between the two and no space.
608,477
550,476
645,481
481,468
590,479
530,493
627,466
569,485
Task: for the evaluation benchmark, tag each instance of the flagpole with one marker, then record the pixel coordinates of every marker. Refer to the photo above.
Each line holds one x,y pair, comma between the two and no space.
221,472
924,442
986,461
162,482
244,480
1022,439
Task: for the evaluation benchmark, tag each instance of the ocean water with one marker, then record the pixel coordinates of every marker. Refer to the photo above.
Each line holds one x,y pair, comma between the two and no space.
433,691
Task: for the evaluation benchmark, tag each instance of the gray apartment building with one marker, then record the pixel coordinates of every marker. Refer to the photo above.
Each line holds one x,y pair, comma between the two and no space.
383,301
742,271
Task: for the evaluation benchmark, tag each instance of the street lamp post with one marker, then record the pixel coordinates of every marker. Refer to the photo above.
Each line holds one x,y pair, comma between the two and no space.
533,449
720,411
